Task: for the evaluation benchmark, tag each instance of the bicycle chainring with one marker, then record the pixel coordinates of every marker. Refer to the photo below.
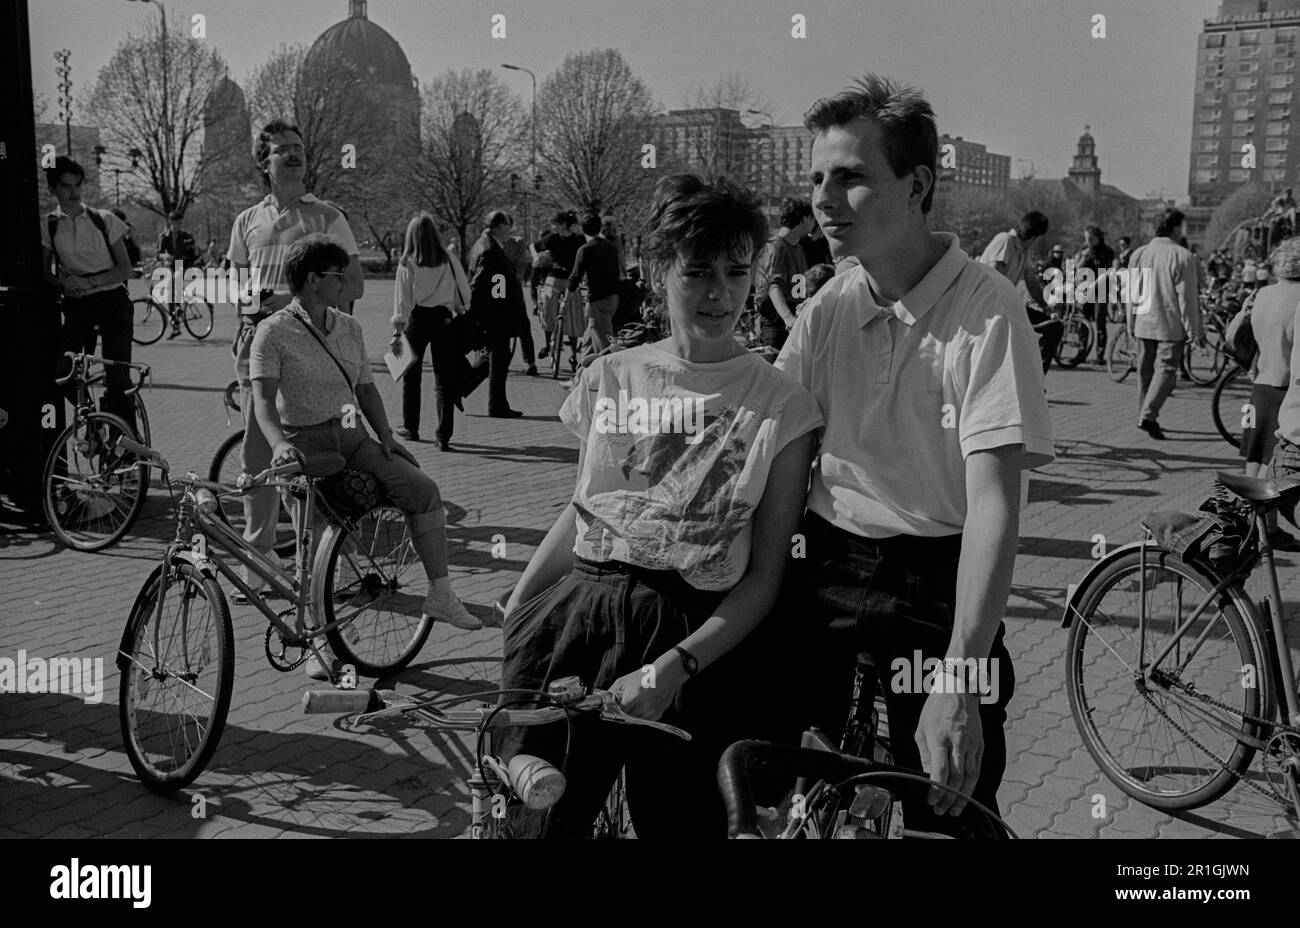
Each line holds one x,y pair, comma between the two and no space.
1281,752
286,660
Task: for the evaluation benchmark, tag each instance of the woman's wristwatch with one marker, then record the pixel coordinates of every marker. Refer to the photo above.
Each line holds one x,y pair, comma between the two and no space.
689,663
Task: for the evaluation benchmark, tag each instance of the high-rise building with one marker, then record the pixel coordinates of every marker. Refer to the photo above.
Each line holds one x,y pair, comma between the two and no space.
970,164
1245,88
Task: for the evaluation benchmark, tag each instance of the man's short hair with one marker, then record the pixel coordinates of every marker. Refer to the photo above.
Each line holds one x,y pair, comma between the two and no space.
63,165
904,116
699,221
313,254
591,224
262,147
1171,220
561,218
496,217
1035,224
1124,239
794,210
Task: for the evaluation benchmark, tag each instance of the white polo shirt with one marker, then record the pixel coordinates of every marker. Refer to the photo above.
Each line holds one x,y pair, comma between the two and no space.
80,245
1006,246
910,390
262,234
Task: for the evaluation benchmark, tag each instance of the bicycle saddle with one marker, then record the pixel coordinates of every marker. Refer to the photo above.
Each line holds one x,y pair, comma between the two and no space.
1257,489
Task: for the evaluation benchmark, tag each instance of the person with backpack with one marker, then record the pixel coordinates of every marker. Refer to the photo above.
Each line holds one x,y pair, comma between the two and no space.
84,258
132,247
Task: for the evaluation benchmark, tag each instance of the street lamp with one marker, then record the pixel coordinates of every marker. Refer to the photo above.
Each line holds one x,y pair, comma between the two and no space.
528,213
64,70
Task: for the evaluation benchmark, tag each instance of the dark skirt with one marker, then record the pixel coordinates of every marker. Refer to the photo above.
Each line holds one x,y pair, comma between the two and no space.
1257,443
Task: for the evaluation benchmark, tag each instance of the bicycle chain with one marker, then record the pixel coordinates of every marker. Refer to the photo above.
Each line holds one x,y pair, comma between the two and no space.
278,662
1201,697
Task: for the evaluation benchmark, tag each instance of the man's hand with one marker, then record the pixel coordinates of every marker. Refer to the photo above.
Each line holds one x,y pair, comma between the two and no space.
951,738
641,700
285,453
75,286
391,446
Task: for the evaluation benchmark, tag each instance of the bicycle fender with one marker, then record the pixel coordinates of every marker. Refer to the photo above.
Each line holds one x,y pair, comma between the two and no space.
202,565
1072,599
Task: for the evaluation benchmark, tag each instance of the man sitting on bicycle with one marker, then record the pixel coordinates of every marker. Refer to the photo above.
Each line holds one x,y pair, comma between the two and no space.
692,463
310,376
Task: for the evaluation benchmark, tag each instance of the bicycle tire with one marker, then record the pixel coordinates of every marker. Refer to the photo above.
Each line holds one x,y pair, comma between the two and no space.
231,397
149,320
372,557
557,344
1202,363
145,434
1120,356
197,315
1076,342
1226,405
1157,783
76,488
231,510
167,752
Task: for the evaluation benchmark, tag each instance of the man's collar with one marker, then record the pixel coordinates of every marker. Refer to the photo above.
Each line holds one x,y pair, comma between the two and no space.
920,299
63,214
269,200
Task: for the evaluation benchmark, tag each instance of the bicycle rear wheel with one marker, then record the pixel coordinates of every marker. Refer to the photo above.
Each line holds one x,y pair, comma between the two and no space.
1228,405
1158,733
369,572
93,492
149,320
1203,362
227,465
177,676
198,318
557,345
1076,342
142,422
1121,356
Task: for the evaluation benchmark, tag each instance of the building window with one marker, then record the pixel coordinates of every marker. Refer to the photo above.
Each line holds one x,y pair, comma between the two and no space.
1283,51
1208,131
1210,115
1207,177
1280,112
1250,83
1212,86
1238,175
1276,144
1207,161
1243,115
1281,96
1251,52
1250,37
1281,82
1284,67
1248,67
1278,128
1273,160
1285,34
1273,174
1212,70
1241,130
1214,41
1208,145
1244,99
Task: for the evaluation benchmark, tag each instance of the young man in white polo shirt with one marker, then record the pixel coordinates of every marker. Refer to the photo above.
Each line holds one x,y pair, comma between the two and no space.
260,240
927,371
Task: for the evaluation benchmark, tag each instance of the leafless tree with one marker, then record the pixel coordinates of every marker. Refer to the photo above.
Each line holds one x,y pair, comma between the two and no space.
474,136
130,103
724,149
593,120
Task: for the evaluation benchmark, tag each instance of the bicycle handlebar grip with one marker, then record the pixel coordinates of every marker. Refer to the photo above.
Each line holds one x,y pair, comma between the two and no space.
280,470
341,702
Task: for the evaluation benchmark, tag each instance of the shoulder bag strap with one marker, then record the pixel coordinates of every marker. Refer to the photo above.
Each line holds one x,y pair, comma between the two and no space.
320,341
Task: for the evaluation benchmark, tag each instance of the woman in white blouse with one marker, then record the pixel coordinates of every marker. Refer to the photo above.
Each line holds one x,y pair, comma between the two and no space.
431,291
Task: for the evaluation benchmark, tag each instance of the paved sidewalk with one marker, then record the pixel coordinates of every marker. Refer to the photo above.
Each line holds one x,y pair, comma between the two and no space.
278,772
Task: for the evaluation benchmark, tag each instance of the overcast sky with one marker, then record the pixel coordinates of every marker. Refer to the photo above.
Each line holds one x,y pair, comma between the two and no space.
1021,76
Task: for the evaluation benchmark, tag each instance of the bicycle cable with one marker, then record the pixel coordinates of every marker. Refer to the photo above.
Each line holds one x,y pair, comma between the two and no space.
921,778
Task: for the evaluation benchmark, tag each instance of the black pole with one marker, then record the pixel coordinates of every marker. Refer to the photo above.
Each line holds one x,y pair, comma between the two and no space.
29,349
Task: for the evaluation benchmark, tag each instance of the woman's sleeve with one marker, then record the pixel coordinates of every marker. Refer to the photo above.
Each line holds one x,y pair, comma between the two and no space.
403,294
462,283
263,355
364,373
579,406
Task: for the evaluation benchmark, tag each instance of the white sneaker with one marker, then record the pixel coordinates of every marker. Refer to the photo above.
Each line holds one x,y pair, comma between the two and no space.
315,670
441,603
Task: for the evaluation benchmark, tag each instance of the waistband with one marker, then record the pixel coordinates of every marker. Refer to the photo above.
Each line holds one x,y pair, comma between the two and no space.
937,545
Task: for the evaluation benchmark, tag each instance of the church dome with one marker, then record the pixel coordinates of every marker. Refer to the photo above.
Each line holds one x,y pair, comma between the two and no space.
366,45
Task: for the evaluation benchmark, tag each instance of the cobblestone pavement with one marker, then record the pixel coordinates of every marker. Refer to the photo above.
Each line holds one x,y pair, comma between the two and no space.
279,772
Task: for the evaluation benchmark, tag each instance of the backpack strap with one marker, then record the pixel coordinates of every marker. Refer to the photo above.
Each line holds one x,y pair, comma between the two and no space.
96,219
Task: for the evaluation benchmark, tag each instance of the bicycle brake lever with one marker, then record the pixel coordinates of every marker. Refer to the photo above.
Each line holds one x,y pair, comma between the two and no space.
611,711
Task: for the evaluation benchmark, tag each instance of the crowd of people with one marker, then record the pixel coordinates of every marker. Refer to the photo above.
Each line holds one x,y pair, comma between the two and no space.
889,437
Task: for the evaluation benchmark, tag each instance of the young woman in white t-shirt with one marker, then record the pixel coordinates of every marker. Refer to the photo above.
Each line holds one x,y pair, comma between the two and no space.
693,462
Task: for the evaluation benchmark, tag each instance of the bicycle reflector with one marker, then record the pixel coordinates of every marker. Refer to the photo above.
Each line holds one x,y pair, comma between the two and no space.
538,784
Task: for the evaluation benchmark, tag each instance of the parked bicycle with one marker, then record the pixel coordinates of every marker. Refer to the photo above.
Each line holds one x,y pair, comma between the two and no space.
359,586
151,317
93,484
496,785
1230,403
1173,671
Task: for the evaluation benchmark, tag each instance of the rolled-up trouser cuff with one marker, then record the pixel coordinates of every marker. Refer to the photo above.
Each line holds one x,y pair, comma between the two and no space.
424,522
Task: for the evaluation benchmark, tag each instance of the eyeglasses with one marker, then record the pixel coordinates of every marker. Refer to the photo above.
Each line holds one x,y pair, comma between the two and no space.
338,274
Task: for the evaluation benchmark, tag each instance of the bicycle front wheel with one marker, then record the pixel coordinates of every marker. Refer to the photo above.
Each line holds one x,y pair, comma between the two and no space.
93,491
1121,355
198,318
372,576
176,682
1204,362
149,320
1171,736
1228,405
1076,341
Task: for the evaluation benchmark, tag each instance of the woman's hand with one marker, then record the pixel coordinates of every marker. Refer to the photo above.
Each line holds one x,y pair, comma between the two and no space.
285,453
391,446
395,345
645,693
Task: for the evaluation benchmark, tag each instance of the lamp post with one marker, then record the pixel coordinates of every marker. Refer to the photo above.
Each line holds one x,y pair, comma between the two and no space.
532,159
166,103
771,154
64,70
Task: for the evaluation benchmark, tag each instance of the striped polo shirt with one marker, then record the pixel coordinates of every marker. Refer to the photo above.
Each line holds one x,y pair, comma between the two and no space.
262,234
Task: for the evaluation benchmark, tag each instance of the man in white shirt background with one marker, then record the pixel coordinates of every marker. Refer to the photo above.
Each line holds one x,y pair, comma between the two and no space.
927,371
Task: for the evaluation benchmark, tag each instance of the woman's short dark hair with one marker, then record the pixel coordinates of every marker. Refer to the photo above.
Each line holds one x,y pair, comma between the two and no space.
794,211
905,118
63,165
699,221
1171,220
313,254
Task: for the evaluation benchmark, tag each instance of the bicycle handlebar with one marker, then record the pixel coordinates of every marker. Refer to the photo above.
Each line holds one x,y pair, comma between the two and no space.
82,361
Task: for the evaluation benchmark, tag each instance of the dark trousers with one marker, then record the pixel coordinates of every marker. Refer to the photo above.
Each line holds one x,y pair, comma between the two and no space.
890,598
607,620
500,351
1097,313
106,315
431,328
526,347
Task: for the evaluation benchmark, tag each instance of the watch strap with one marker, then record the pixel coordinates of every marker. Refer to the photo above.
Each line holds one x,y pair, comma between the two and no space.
689,663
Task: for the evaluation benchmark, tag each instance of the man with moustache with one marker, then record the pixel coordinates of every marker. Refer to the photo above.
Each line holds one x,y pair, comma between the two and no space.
911,542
